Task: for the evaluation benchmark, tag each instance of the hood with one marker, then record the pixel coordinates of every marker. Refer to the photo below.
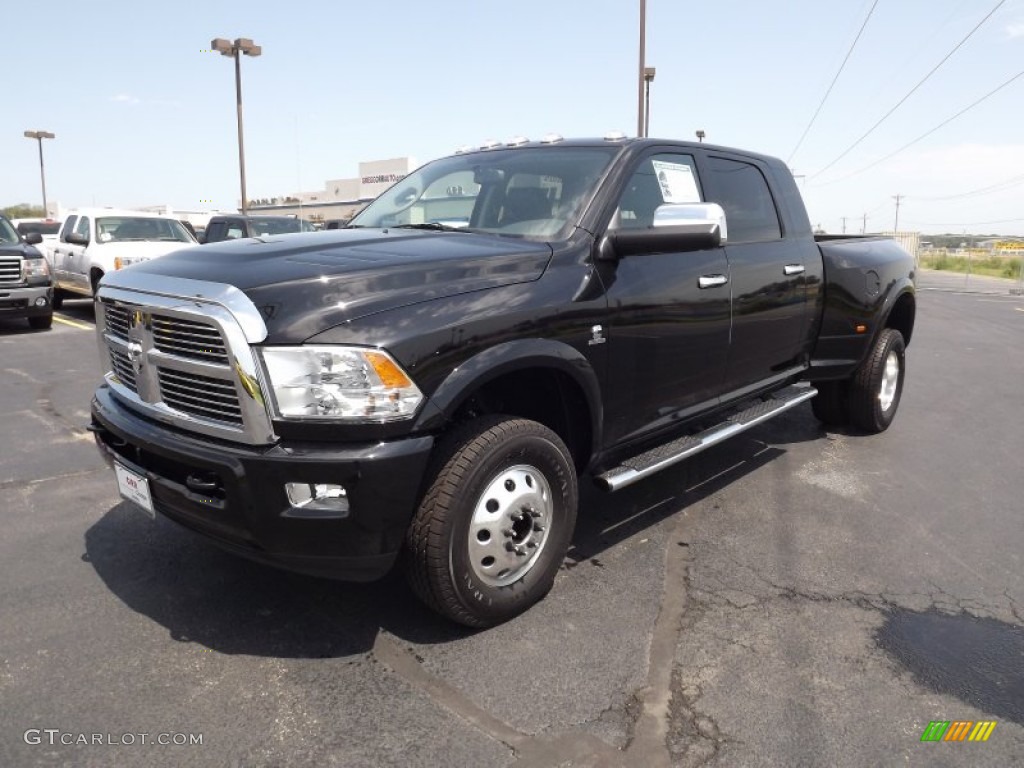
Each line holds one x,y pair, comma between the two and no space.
22,250
305,283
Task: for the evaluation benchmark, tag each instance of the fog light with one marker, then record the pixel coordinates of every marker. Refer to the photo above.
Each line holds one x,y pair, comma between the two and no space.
317,497
41,301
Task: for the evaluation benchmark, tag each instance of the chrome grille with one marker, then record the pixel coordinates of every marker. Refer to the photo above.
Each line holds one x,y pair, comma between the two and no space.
122,365
180,351
10,270
186,338
201,396
117,320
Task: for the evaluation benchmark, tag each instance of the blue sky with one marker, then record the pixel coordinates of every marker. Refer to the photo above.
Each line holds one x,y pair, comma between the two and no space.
143,116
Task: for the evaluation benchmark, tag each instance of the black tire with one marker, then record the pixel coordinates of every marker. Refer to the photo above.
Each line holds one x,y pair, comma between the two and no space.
829,405
447,552
41,322
875,389
58,298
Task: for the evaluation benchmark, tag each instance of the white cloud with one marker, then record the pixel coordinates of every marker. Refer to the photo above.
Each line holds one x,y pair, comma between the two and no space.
1016,29
124,98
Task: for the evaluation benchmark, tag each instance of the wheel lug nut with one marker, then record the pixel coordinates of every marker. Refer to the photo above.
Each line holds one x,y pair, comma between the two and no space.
520,551
508,533
531,543
509,546
534,513
538,528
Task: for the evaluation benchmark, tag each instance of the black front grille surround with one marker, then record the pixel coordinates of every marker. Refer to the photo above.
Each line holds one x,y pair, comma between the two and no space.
186,362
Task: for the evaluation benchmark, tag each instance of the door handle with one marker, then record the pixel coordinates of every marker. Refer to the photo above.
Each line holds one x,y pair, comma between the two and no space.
710,281
793,269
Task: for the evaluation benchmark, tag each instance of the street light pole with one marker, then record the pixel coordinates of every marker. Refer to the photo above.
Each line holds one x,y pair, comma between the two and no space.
39,136
648,79
640,71
235,50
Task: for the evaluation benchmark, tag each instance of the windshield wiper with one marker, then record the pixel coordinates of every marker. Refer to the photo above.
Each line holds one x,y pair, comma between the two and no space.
436,226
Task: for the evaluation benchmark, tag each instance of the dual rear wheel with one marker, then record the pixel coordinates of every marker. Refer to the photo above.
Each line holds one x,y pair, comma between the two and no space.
869,399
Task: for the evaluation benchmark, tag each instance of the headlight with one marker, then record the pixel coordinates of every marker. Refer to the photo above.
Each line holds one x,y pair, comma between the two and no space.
36,268
339,383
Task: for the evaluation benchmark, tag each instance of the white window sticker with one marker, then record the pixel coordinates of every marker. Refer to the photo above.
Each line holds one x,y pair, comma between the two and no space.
677,182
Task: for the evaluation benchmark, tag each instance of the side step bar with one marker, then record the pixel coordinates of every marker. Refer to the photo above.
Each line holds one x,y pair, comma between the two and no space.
657,459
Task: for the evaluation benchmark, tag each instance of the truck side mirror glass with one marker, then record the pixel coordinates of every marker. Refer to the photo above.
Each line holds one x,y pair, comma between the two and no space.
33,238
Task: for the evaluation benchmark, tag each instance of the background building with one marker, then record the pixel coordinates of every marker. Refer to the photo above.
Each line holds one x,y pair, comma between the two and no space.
340,199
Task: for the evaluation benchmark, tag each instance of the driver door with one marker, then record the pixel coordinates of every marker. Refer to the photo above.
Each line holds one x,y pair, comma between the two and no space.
668,313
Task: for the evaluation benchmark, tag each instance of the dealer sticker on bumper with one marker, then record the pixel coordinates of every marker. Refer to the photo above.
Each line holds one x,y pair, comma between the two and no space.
134,487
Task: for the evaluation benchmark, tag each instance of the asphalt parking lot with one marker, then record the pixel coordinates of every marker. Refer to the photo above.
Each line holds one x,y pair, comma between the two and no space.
794,597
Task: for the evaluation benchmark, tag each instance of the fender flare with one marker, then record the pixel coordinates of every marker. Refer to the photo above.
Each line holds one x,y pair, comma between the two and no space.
508,357
902,287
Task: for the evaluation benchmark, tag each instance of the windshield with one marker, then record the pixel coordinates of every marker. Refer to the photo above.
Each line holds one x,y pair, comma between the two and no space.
7,233
42,227
280,226
535,193
113,229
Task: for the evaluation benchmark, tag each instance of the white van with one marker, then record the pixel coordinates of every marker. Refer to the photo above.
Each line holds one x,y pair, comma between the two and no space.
94,241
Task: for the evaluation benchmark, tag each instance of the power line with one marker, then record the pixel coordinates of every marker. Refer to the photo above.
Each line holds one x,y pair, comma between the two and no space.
1000,186
911,91
925,135
832,85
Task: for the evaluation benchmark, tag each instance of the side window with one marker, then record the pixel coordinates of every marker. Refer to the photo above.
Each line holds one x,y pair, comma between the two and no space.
215,231
236,229
68,228
743,193
83,226
659,179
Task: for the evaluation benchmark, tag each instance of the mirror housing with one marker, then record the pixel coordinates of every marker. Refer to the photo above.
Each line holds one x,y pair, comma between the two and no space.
76,239
33,238
676,228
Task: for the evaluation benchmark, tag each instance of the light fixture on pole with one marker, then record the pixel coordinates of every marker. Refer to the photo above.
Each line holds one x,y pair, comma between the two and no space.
648,79
242,45
39,136
700,135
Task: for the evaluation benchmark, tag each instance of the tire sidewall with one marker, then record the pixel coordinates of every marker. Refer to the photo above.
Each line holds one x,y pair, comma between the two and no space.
550,459
892,342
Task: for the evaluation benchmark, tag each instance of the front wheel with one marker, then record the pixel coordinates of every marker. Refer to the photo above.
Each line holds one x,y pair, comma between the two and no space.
493,527
876,387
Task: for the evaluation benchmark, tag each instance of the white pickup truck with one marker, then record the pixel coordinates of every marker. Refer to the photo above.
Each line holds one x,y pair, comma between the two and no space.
94,241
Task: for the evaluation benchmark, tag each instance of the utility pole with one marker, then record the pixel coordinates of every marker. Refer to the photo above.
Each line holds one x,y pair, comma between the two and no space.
896,223
864,225
844,225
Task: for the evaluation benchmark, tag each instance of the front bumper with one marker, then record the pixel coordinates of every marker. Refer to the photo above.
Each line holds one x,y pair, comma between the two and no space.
243,506
21,302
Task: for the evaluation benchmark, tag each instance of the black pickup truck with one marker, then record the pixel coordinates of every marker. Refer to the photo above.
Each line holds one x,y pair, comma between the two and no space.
26,286
327,401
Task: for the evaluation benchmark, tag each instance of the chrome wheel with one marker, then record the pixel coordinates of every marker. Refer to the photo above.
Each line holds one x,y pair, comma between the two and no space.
890,381
510,525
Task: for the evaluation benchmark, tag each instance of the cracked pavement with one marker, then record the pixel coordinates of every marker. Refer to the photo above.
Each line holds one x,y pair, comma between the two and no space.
725,613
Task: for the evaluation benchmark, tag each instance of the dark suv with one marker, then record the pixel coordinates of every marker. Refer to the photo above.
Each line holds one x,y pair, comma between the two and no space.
233,227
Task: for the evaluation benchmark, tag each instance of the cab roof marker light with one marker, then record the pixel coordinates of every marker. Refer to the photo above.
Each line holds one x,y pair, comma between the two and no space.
490,144
463,149
614,136
551,138
517,141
